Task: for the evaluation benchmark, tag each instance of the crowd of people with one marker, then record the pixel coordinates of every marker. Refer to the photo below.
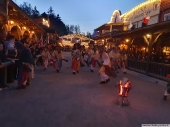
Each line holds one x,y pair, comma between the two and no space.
109,61
27,55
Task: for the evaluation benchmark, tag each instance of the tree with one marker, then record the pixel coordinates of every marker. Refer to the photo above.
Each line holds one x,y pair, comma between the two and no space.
83,33
68,29
88,34
55,21
77,29
35,13
27,8
72,29
51,12
58,18
44,15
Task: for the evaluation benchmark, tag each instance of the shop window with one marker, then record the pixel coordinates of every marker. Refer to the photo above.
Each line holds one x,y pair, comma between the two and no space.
167,17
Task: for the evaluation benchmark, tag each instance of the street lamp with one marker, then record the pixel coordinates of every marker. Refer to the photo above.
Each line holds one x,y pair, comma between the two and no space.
127,40
148,36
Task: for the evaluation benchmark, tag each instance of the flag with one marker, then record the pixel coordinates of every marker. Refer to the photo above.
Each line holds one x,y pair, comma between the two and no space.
146,19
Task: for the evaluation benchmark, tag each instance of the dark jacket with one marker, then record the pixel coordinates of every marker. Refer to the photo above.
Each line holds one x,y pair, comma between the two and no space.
2,42
2,57
25,55
2,53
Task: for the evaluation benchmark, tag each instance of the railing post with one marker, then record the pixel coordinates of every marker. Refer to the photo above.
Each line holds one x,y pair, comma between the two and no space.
148,38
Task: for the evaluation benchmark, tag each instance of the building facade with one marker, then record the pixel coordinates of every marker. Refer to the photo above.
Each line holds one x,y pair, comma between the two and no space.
146,35
18,23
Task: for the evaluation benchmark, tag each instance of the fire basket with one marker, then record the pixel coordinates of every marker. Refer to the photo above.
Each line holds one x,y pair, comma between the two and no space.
123,90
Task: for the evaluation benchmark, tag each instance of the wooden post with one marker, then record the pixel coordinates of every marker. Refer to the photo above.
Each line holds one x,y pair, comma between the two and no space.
149,40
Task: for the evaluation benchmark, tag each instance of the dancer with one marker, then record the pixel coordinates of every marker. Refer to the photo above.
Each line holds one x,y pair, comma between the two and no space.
167,92
57,57
106,69
45,57
25,63
90,60
76,56
115,58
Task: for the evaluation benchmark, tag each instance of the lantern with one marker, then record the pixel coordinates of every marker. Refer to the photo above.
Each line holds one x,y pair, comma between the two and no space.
124,87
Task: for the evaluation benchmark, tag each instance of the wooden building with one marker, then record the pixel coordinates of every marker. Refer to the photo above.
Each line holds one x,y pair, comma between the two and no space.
152,42
18,23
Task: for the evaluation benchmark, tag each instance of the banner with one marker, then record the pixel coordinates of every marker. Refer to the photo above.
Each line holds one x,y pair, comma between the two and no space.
150,8
3,11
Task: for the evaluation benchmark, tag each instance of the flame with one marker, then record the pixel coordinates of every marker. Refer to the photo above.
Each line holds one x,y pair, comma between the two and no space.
124,89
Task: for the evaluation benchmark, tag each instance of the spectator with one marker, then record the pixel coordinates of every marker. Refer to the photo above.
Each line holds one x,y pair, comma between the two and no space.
25,62
11,52
3,34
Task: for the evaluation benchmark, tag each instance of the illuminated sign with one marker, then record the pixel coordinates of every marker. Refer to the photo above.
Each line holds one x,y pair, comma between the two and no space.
45,22
150,8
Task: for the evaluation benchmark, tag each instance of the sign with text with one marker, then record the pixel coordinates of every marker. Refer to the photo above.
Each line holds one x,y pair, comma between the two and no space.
3,11
149,8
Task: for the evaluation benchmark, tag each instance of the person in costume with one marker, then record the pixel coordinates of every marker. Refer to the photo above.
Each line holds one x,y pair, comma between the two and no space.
105,70
45,57
95,58
25,63
115,58
167,92
57,58
90,60
76,56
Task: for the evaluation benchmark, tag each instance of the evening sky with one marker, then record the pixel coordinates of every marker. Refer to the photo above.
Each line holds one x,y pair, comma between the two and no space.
88,14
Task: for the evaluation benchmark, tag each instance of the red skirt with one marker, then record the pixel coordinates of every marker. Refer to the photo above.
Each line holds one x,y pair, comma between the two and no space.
25,76
74,64
93,62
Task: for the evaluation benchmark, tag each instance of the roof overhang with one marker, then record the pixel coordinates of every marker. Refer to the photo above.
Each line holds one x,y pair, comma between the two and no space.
16,14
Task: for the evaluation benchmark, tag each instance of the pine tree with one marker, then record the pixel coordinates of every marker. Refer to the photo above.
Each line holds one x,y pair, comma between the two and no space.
35,13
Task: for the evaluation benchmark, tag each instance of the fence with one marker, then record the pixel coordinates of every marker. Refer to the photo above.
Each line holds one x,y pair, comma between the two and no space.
157,70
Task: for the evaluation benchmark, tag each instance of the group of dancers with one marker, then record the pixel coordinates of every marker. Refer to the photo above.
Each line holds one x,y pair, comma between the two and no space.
109,62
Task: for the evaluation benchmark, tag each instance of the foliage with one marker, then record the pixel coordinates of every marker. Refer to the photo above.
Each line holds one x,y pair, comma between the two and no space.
73,29
55,20
27,8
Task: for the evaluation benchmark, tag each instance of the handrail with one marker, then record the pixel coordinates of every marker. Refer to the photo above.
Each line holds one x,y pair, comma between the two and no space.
157,70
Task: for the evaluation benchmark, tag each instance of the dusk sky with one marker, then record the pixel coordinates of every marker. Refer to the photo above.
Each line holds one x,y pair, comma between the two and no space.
88,14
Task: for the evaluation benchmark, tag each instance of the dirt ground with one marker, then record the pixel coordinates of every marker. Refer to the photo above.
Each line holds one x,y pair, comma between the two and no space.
66,100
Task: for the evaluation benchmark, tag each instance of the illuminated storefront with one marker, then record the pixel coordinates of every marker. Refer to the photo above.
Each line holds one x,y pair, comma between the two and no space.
15,21
146,27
